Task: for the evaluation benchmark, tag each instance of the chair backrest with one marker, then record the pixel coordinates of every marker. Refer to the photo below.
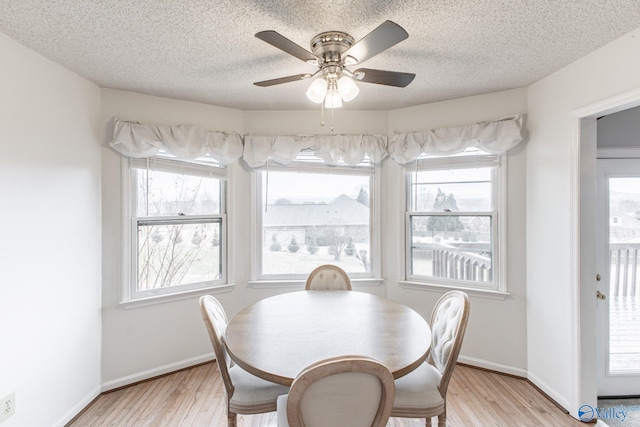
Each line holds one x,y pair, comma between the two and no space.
328,277
216,321
448,325
354,391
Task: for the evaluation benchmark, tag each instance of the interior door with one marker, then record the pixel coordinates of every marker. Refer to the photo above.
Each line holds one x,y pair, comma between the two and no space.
618,289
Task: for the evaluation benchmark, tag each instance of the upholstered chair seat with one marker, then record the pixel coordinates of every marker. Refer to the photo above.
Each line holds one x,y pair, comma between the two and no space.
252,394
418,391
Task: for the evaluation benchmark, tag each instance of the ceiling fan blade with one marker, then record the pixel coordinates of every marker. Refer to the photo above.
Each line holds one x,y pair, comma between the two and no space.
286,45
380,39
382,77
281,80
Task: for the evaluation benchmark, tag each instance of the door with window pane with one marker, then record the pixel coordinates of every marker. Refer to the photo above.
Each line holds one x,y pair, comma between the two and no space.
618,289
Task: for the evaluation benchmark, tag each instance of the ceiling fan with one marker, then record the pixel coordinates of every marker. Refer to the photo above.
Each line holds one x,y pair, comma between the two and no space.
333,52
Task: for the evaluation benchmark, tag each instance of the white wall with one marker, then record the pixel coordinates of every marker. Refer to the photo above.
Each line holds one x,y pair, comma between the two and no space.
143,342
50,274
607,72
309,122
496,334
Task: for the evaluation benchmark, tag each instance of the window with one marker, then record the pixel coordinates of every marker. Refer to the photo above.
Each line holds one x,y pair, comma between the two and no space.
452,221
177,227
312,214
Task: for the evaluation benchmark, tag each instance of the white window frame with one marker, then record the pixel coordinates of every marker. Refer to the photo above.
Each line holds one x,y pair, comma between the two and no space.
498,214
310,166
131,297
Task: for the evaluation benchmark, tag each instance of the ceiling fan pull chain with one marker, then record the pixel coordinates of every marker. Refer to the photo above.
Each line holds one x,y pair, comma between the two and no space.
266,188
332,119
322,114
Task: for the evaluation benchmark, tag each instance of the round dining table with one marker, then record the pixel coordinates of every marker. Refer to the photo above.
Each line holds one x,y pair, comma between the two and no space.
277,337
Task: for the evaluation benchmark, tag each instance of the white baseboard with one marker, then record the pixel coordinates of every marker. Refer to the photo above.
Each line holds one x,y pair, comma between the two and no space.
551,392
498,367
75,410
150,373
519,372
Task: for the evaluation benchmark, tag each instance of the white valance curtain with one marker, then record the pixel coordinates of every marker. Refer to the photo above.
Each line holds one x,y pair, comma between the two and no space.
351,149
184,142
190,142
493,137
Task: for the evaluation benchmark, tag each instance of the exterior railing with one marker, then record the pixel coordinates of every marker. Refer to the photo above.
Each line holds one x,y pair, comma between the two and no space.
624,272
452,262
457,263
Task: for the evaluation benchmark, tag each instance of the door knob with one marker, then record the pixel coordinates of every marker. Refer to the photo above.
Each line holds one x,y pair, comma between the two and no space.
600,295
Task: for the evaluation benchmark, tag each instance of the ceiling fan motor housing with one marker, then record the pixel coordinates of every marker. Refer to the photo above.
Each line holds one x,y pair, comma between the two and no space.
330,46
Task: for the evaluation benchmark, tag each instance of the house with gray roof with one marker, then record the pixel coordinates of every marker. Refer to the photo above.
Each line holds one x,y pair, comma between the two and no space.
343,218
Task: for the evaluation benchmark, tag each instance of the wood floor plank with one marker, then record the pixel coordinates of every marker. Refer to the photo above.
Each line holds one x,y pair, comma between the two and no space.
194,398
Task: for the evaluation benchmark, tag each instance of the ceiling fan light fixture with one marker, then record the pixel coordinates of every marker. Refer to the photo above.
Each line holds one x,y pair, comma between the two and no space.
347,88
317,90
333,99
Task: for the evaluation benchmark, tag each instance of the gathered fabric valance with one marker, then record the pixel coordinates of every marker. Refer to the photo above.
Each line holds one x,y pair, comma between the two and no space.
184,142
191,142
493,137
283,149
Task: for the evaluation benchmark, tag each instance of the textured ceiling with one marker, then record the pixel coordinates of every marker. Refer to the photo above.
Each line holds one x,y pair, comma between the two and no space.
205,50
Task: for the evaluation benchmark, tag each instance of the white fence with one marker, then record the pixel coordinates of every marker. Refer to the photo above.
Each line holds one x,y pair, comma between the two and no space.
465,262
624,277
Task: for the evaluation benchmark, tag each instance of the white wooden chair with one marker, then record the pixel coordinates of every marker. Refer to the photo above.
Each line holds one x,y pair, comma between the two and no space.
423,392
353,391
244,393
328,277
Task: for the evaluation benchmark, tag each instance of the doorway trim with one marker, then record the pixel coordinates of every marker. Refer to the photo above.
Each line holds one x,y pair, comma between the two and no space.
582,252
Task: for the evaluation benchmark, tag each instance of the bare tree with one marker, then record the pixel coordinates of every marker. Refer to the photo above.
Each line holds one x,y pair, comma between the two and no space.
336,241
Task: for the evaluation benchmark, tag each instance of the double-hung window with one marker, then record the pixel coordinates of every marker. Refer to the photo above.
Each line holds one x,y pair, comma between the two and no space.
177,227
309,214
453,221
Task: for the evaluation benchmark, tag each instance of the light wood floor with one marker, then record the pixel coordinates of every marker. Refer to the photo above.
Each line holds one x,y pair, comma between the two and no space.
194,397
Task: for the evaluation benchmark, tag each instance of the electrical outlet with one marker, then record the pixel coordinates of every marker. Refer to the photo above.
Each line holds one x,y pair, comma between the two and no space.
7,406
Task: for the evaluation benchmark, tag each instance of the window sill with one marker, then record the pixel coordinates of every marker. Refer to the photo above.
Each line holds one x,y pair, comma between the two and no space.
481,293
288,284
161,299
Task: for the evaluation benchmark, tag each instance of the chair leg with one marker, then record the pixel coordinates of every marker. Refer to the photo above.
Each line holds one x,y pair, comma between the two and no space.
442,420
428,422
231,419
